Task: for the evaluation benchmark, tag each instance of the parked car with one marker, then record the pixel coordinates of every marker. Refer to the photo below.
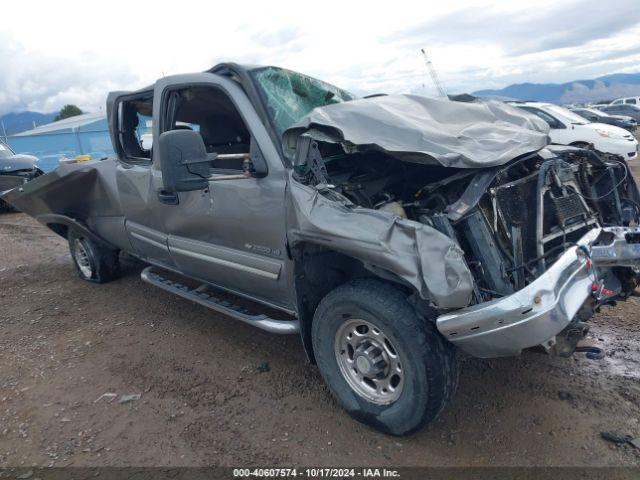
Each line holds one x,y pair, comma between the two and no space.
632,111
15,170
597,116
627,101
369,226
568,128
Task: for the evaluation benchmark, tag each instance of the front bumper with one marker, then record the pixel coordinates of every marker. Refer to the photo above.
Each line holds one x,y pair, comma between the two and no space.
537,313
628,149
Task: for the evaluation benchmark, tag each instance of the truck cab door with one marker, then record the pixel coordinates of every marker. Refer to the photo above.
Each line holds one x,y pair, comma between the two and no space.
231,232
130,117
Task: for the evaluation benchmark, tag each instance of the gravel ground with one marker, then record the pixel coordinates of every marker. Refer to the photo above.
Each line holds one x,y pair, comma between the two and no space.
217,392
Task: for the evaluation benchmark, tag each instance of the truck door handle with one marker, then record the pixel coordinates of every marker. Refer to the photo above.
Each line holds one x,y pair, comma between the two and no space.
170,198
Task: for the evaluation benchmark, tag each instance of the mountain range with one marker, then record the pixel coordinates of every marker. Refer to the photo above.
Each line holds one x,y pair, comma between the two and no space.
605,88
19,122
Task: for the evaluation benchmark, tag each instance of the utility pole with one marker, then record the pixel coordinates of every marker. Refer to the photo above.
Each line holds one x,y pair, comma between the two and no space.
4,131
433,74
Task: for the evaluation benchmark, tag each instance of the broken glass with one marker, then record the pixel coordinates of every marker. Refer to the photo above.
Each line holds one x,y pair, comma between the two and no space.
290,95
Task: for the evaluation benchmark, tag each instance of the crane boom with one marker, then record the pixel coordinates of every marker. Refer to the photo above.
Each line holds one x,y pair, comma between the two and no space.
433,74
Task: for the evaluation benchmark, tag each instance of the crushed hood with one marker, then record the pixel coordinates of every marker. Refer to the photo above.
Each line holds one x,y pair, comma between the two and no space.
424,130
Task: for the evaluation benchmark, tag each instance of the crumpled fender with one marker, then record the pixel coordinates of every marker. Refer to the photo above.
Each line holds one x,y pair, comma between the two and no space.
70,195
420,255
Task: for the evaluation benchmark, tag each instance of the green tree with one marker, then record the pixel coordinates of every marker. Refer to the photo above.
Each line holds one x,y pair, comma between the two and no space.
68,111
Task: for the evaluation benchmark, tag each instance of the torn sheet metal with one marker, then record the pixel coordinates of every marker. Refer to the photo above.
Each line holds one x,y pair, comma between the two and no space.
425,130
80,190
420,255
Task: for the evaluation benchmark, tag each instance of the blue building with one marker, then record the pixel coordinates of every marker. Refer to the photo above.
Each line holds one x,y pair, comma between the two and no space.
86,134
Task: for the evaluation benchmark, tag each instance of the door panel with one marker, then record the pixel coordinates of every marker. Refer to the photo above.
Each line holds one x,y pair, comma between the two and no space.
201,258
233,233
139,203
237,241
240,245
148,242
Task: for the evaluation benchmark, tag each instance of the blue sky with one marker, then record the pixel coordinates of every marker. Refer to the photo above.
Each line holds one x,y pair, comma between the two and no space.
54,53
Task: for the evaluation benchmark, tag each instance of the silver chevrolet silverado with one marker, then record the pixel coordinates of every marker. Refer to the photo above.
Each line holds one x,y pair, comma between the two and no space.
389,232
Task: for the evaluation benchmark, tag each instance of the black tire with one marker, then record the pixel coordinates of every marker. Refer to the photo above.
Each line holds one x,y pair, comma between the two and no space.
93,262
429,362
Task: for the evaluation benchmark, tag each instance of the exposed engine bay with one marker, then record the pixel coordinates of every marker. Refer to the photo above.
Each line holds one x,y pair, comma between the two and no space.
512,221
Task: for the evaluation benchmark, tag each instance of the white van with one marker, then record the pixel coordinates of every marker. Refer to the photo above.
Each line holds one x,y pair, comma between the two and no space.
568,128
631,100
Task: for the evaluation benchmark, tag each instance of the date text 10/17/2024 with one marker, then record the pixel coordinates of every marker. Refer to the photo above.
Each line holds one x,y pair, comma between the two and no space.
315,473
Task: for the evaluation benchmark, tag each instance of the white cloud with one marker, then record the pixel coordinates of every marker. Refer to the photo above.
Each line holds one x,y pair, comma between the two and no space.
44,82
53,53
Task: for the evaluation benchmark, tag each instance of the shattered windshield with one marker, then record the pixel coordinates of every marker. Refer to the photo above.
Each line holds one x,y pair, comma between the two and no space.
290,95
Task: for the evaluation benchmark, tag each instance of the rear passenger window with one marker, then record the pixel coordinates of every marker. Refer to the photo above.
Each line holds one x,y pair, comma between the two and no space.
134,127
630,100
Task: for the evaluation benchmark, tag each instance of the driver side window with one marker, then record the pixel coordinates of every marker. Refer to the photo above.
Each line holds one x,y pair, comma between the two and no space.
210,112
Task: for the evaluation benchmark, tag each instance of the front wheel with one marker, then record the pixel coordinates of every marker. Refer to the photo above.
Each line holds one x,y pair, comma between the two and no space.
386,366
94,263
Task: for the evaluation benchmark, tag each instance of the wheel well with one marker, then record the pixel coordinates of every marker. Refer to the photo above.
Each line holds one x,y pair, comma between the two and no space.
59,228
579,144
63,225
318,271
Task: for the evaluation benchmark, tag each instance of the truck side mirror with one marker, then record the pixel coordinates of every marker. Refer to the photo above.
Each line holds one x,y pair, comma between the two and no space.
184,161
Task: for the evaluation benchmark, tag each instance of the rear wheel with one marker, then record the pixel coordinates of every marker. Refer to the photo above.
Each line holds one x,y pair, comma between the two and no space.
387,367
94,263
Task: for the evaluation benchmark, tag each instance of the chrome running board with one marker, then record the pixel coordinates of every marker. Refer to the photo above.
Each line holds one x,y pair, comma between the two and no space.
199,295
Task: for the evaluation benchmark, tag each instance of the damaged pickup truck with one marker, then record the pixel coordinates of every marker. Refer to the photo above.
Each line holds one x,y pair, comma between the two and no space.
389,231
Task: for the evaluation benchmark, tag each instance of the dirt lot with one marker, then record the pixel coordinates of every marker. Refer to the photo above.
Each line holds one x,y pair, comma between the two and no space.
206,399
